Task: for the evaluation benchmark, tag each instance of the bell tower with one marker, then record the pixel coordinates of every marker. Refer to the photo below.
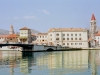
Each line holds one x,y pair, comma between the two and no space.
93,24
93,30
11,31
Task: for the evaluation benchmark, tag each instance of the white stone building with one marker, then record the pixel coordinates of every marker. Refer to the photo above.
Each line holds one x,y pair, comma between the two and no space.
97,38
68,37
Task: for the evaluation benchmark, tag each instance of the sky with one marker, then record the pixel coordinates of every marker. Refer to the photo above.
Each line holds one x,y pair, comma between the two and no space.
42,15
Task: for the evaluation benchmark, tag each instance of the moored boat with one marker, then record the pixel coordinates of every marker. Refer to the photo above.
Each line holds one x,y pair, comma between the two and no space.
12,48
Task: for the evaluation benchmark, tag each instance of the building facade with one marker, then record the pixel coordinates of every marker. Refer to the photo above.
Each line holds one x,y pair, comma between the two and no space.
68,37
25,35
41,39
9,38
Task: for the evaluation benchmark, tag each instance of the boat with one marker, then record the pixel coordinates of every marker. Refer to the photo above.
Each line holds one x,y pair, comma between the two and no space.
11,48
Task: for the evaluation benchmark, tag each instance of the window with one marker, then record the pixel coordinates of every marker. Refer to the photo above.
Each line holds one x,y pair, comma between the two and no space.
63,43
50,34
80,39
67,38
57,38
63,34
57,34
75,43
71,38
79,34
71,34
67,43
57,44
80,43
51,39
67,34
71,43
40,36
75,38
42,40
63,38
75,34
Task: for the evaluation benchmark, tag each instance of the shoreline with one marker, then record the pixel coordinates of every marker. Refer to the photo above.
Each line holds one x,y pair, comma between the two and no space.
68,49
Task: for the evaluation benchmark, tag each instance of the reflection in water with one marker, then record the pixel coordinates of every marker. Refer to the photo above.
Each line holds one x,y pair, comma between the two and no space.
9,59
81,62
26,62
63,62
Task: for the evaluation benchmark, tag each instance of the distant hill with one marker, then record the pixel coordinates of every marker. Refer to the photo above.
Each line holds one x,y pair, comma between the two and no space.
34,31
2,31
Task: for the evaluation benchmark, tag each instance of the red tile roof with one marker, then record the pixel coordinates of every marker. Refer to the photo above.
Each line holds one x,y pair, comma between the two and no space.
98,34
9,36
42,34
24,28
12,36
66,29
93,17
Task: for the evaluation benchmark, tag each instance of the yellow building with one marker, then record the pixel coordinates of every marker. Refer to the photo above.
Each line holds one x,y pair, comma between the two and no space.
25,35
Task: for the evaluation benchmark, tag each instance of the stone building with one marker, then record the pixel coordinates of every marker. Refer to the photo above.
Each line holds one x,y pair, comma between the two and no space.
66,37
25,35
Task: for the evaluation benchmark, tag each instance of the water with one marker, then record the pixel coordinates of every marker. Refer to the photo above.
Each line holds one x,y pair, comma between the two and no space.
83,62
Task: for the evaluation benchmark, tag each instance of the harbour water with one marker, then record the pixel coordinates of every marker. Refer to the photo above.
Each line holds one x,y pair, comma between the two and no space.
81,62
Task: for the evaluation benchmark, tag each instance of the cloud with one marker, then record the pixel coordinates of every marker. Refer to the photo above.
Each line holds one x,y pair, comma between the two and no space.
44,11
29,17
24,17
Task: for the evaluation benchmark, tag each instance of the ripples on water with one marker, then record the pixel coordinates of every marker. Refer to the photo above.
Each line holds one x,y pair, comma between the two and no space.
50,63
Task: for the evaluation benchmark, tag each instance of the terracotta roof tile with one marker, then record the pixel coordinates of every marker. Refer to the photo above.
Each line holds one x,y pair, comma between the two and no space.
93,17
98,34
12,36
33,34
65,29
42,34
24,28
9,36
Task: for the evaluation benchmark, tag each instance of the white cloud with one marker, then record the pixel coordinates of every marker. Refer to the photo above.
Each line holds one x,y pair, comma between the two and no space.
29,17
24,17
44,11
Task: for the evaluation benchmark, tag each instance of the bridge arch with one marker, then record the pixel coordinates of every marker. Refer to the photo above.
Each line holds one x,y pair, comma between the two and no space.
50,49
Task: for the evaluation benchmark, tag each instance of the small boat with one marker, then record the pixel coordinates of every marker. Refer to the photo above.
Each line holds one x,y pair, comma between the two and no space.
12,48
